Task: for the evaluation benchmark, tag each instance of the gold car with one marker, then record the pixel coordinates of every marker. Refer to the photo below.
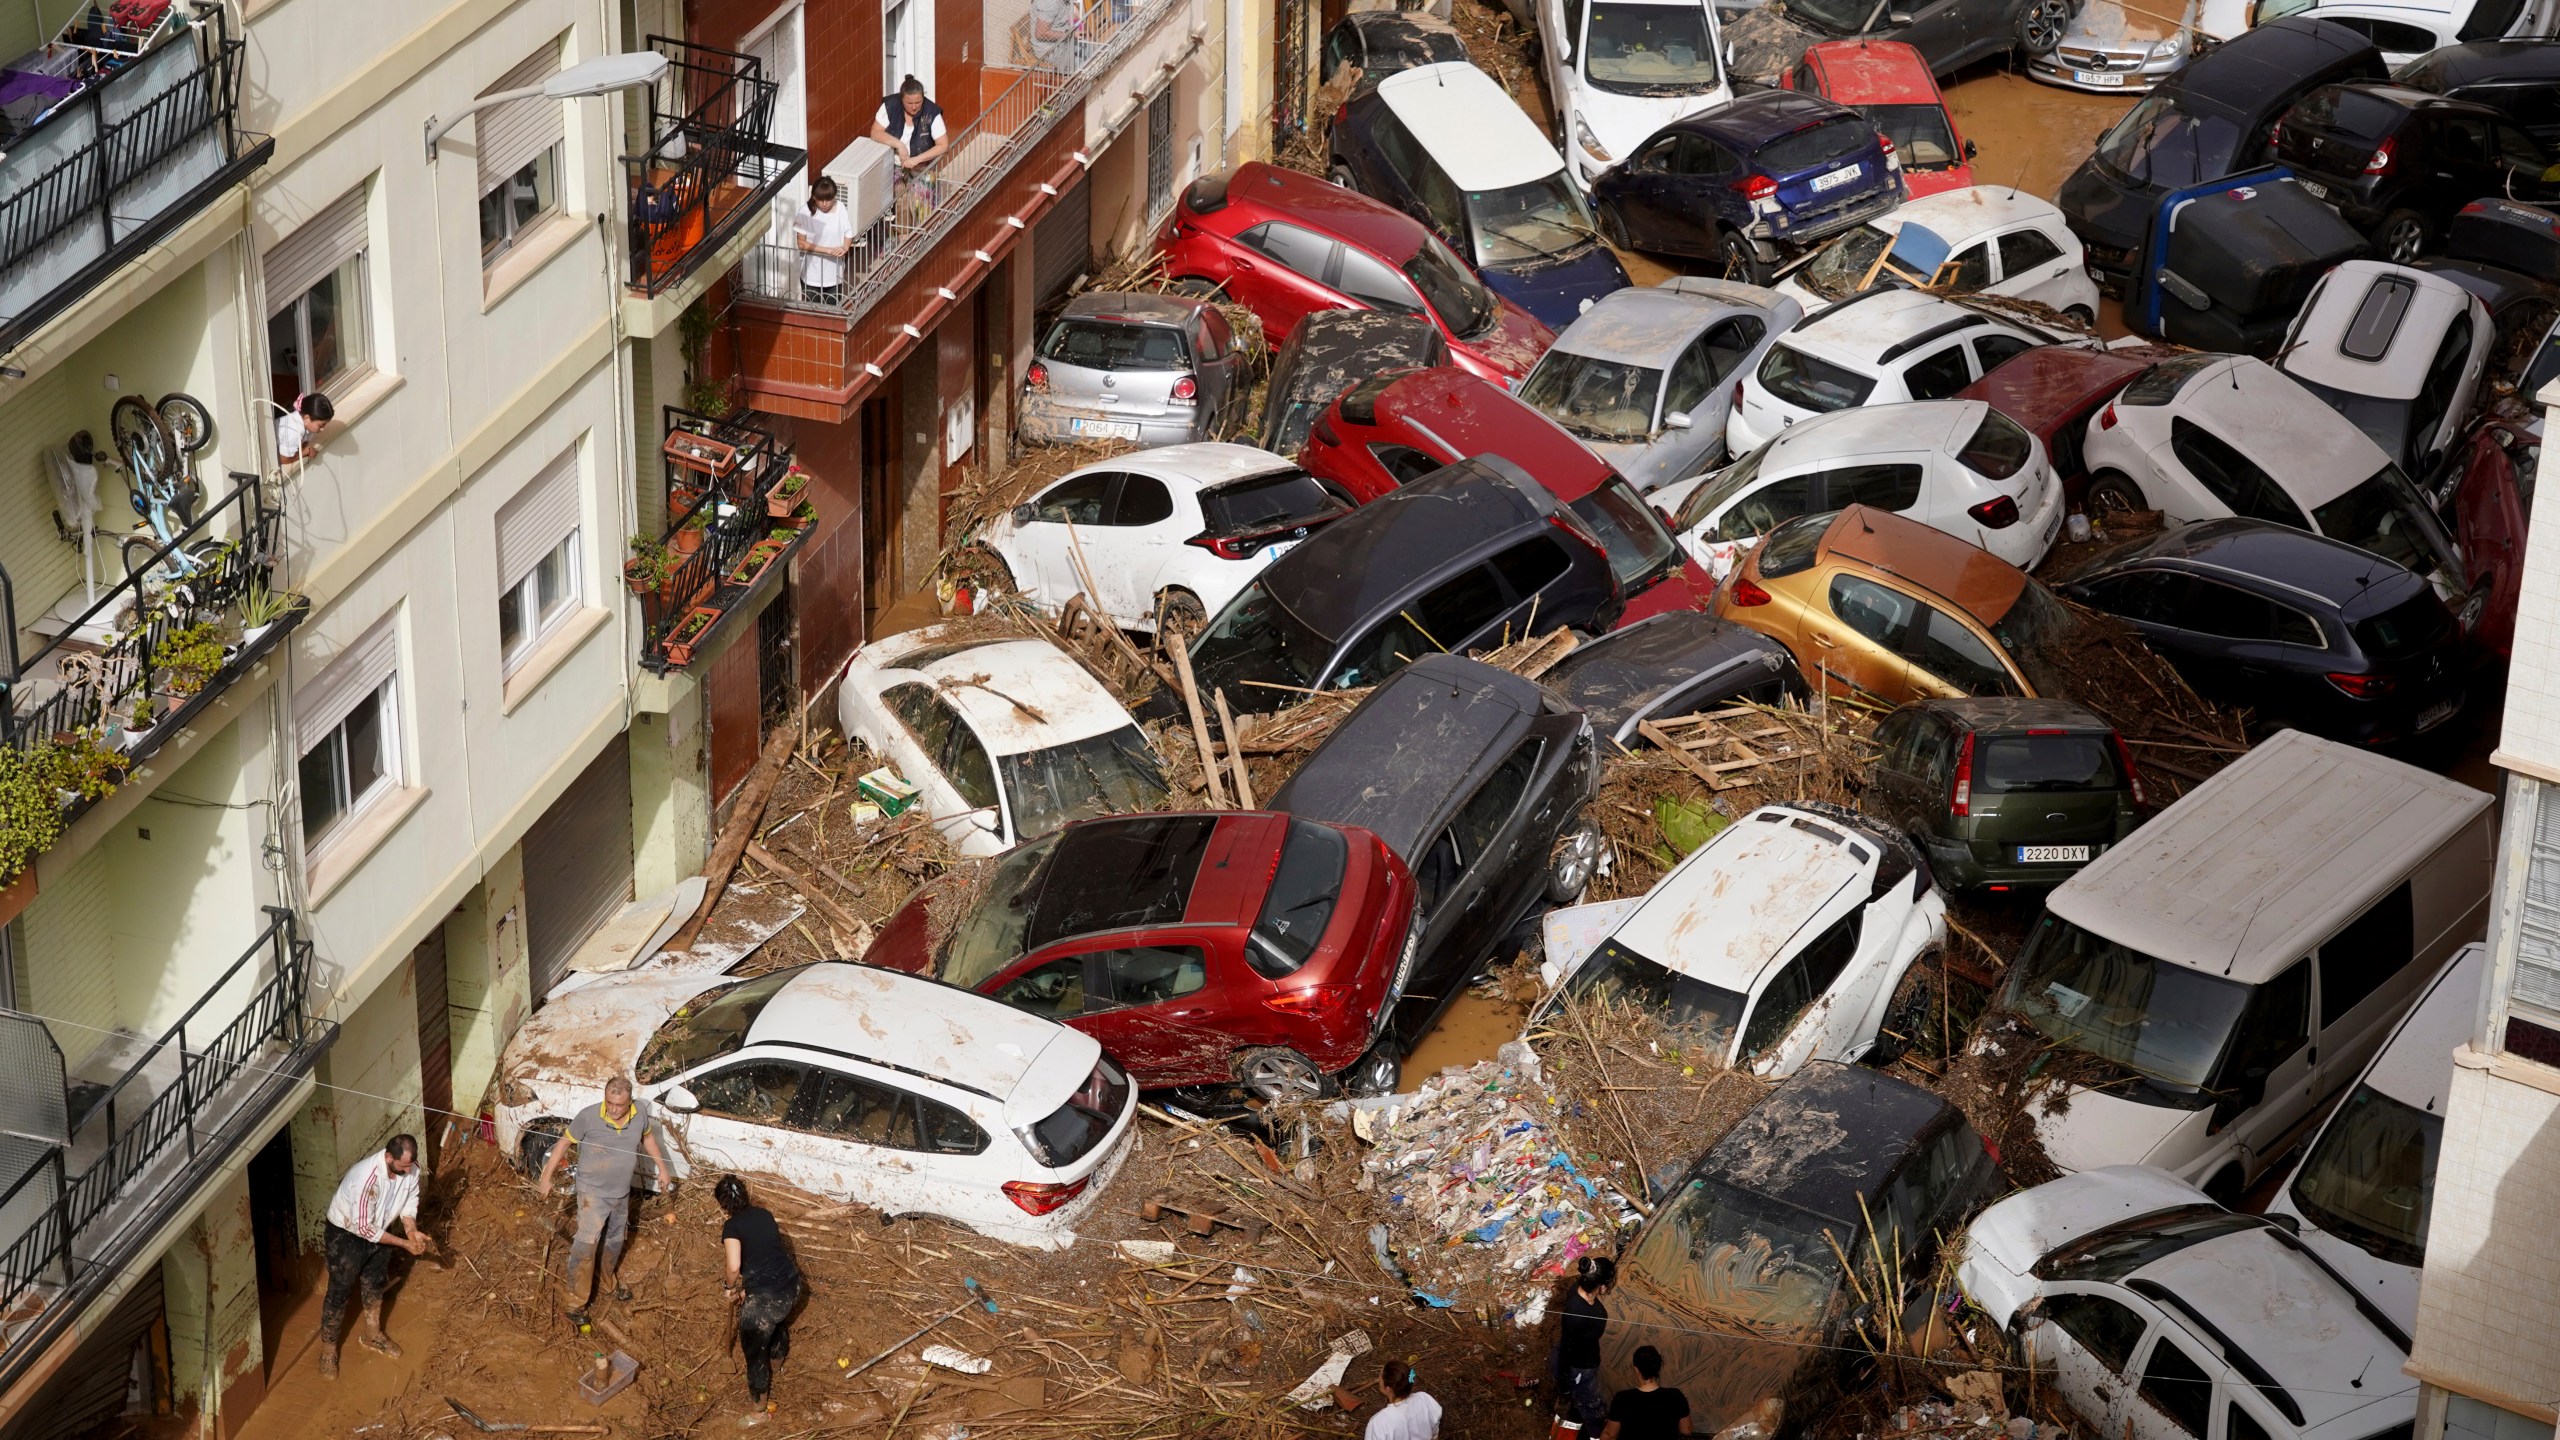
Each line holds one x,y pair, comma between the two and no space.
1890,610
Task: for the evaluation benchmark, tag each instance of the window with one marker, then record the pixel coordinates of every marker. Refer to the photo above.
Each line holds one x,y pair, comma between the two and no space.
1481,821
1440,620
865,1112
348,721
1692,376
2000,449
1365,278
2024,250
2231,477
1143,501
2104,1328
1702,156
1886,487
2358,960
2157,596
315,277
1872,610
1531,566
1996,350
1055,990
2277,1024
1729,344
2178,1387
1303,251
1968,271
520,153
534,606
949,745
1804,980
1403,462
1766,508
509,210
2239,1424
2537,909
537,533
760,1092
1152,974
1938,376
1077,501
2212,608
1942,645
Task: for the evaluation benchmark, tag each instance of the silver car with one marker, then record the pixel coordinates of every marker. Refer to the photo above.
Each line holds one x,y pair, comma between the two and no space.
1646,375
2118,47
1156,369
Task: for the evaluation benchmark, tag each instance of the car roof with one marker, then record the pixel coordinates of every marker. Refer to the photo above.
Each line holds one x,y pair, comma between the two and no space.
1470,415
1642,325
2008,712
1022,694
1826,1138
1632,667
906,1022
2289,1313
2480,62
2249,870
1470,126
2349,310
2313,453
1874,72
1835,435
1397,764
2415,1066
2050,384
1734,906
1345,572
1201,462
1331,350
1145,309
2261,70
1960,214
1967,576
2333,570
1865,326
1390,234
1752,118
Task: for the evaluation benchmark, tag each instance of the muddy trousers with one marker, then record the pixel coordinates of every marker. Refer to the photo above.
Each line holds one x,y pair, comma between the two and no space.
603,1221
355,1264
764,1334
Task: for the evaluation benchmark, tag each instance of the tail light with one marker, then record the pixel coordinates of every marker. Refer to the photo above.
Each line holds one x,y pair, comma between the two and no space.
1746,593
2107,417
2132,777
1039,1198
1892,161
1737,394
1757,187
1998,513
1186,391
1960,794
2275,138
1312,1001
1343,114
1037,377
1227,547
2364,687
2379,162
1991,1148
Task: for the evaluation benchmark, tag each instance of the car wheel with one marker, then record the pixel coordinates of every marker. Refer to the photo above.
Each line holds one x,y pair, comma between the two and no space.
2083,316
1577,858
1741,262
1180,610
1276,1073
2401,237
534,1145
1614,230
1376,1073
1906,1018
2112,494
1194,288
2041,24
1340,175
979,559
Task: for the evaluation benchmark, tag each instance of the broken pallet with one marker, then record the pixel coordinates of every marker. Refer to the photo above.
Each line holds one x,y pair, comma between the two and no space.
1200,1217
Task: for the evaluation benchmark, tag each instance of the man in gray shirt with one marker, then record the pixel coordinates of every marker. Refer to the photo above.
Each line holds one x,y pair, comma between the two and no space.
609,1139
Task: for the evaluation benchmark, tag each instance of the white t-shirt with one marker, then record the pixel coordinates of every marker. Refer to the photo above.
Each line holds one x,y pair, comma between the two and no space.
370,1197
826,230
893,112
1415,1417
289,435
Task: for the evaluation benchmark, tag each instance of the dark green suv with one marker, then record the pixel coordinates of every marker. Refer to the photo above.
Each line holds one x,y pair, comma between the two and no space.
2003,794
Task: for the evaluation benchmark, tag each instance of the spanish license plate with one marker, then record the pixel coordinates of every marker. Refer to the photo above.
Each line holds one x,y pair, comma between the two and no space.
2051,854
2098,77
1107,429
2316,191
1836,178
1278,549
2436,714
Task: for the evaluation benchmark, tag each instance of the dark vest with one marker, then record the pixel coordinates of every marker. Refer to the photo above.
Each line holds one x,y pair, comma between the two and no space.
920,138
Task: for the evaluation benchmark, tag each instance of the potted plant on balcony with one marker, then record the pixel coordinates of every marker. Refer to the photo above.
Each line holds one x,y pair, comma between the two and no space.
30,809
688,537
752,565
262,609
688,633
139,719
784,497
84,766
188,658
649,568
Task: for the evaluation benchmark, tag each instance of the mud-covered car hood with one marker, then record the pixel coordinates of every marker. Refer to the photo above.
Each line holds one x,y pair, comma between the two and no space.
1766,43
1725,1371
597,1030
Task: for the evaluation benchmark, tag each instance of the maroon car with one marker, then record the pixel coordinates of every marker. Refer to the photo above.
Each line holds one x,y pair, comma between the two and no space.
2052,390
1238,945
2489,510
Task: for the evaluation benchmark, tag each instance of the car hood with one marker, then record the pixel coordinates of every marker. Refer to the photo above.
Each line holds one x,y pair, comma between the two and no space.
2004,1243
1516,339
1647,464
596,1031
1557,291
1725,1370
2100,209
2084,1129
1623,122
1932,182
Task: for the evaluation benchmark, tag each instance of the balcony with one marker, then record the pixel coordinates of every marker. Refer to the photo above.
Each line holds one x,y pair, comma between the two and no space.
135,136
710,174
98,1158
119,673
738,509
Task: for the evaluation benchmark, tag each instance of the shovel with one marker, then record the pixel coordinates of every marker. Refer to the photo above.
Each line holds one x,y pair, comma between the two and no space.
494,1427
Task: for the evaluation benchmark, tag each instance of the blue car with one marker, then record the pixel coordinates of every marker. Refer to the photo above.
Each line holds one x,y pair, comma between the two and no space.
1771,173
1444,144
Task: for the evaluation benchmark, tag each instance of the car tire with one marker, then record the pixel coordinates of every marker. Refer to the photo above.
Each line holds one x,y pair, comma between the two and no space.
2402,236
1179,609
1192,287
977,553
2085,316
1276,1072
1741,262
1377,1073
1576,860
1914,1001
2041,24
1340,174
2111,493
535,1143
1614,230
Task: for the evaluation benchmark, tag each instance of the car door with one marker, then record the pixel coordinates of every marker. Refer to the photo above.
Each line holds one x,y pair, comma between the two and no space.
1992,350
1147,532
2368,976
1893,792
1042,541
745,1107
1560,54
1702,193
1287,277
2467,166
1948,33
955,768
1378,285
2271,1057
1892,482
1640,192
1939,374
1459,606
1530,573
916,1153
2173,1392
919,736
1721,538
2524,164
1788,1023
1341,47
1948,657
2033,267
2264,651
2443,400
1157,1012
2086,1338
1855,639
1967,270
1221,397
2232,479
1727,343
1478,874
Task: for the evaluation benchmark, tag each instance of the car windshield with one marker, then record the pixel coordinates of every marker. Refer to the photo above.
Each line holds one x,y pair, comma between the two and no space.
1594,398
1256,644
2160,145
1116,345
2114,1002
2385,515
1527,222
1630,534
1299,904
2044,764
1649,50
1113,773
2368,1178
2412,627
1723,1252
709,1026
2161,383
1840,17
1712,493
1459,298
989,936
1919,133
2545,365
1700,1011
1840,267
1817,385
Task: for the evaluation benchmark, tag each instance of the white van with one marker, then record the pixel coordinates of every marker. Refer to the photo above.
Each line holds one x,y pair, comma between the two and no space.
2359,1198
2213,980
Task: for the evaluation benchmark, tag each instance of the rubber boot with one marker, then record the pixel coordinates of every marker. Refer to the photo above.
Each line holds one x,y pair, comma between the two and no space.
373,1338
328,1359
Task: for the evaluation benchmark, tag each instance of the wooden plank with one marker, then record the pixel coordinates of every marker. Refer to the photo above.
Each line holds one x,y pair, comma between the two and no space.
753,796
1692,763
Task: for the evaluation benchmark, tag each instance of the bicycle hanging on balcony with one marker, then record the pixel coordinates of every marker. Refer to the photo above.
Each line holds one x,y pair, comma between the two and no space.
158,446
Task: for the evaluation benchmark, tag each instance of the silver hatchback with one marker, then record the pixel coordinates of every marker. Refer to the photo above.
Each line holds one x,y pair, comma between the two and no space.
1156,369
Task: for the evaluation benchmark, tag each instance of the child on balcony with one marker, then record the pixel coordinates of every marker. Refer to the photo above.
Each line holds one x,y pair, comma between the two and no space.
825,232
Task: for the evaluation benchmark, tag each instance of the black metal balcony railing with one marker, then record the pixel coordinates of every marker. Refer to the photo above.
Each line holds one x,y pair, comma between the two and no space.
135,1147
710,170
117,167
737,510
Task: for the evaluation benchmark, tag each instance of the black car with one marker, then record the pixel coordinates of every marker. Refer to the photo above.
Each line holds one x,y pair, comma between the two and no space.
1464,558
2508,254
2398,162
1769,40
2307,631
1679,662
2209,120
1489,775
1381,42
2003,793
1738,1278
2520,78
1331,351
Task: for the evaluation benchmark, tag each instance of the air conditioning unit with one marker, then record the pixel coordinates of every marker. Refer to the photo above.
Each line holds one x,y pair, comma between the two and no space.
863,176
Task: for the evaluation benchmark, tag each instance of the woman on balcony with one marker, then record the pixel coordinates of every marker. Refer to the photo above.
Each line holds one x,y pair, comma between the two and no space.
911,124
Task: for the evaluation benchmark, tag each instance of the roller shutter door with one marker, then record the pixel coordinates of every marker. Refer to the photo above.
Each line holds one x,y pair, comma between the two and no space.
1062,245
577,864
106,1371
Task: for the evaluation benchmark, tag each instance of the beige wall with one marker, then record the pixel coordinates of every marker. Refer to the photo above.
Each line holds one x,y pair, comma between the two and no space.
2489,1303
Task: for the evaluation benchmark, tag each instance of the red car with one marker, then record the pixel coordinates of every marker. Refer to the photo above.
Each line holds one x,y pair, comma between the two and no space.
1198,948
1285,245
2489,510
1888,82
2054,389
1391,429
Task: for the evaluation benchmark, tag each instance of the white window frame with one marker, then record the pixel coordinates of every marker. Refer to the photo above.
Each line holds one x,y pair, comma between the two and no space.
546,609
345,227
542,177
364,673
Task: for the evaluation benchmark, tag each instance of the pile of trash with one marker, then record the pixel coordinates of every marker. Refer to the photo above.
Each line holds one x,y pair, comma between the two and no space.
1488,1208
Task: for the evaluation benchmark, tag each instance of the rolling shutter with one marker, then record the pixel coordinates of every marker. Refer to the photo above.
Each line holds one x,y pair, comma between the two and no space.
577,864
321,244
358,671
532,524
1062,245
114,1361
515,134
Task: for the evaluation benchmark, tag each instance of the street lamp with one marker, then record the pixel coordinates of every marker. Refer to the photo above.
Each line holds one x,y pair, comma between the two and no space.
601,76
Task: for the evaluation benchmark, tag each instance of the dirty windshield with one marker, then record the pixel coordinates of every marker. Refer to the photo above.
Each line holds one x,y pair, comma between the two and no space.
1116,345
2160,145
989,936
1841,266
1722,1252
1630,534
1458,297
709,1026
1919,134
1703,1011
1255,645
1108,774
2368,1177
1525,222
2385,515
1649,50
2114,1002
1594,398
1840,17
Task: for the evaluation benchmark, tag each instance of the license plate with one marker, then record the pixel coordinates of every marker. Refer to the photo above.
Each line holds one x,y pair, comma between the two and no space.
2098,77
2315,191
1107,429
1275,551
2043,854
1836,178
2436,714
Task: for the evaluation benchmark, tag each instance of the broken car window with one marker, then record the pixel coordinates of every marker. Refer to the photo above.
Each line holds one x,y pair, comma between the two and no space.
709,1026
1700,1010
989,936
758,1091
1254,643
1113,773
1055,990
2114,1002
2105,1328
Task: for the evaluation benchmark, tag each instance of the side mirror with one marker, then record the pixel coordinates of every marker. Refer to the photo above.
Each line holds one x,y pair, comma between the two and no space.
1728,56
679,1101
1676,420
1897,18
1022,513
1971,150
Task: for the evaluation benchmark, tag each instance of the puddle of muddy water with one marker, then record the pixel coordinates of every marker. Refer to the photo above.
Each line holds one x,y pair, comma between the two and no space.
1475,1025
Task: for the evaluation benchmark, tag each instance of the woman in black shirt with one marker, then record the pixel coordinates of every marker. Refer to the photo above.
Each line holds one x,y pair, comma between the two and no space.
763,1282
1584,1320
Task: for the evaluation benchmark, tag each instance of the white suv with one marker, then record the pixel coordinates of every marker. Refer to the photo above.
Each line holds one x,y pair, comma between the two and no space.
859,1084
1870,349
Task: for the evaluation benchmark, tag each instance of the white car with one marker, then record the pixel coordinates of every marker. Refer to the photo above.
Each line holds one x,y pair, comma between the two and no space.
2361,1194
1781,940
1953,465
1619,70
848,1081
2204,436
1174,531
2400,352
1991,239
2159,1315
1004,738
2403,30
1870,349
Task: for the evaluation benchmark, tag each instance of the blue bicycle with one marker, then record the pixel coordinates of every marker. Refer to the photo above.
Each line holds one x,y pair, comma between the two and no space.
158,445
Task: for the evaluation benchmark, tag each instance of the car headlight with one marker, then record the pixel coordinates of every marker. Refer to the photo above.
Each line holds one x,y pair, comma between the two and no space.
515,1092
2171,48
1589,142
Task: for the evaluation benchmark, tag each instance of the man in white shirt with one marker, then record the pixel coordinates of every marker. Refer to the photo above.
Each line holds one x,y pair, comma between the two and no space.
1408,1414
378,1192
826,233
